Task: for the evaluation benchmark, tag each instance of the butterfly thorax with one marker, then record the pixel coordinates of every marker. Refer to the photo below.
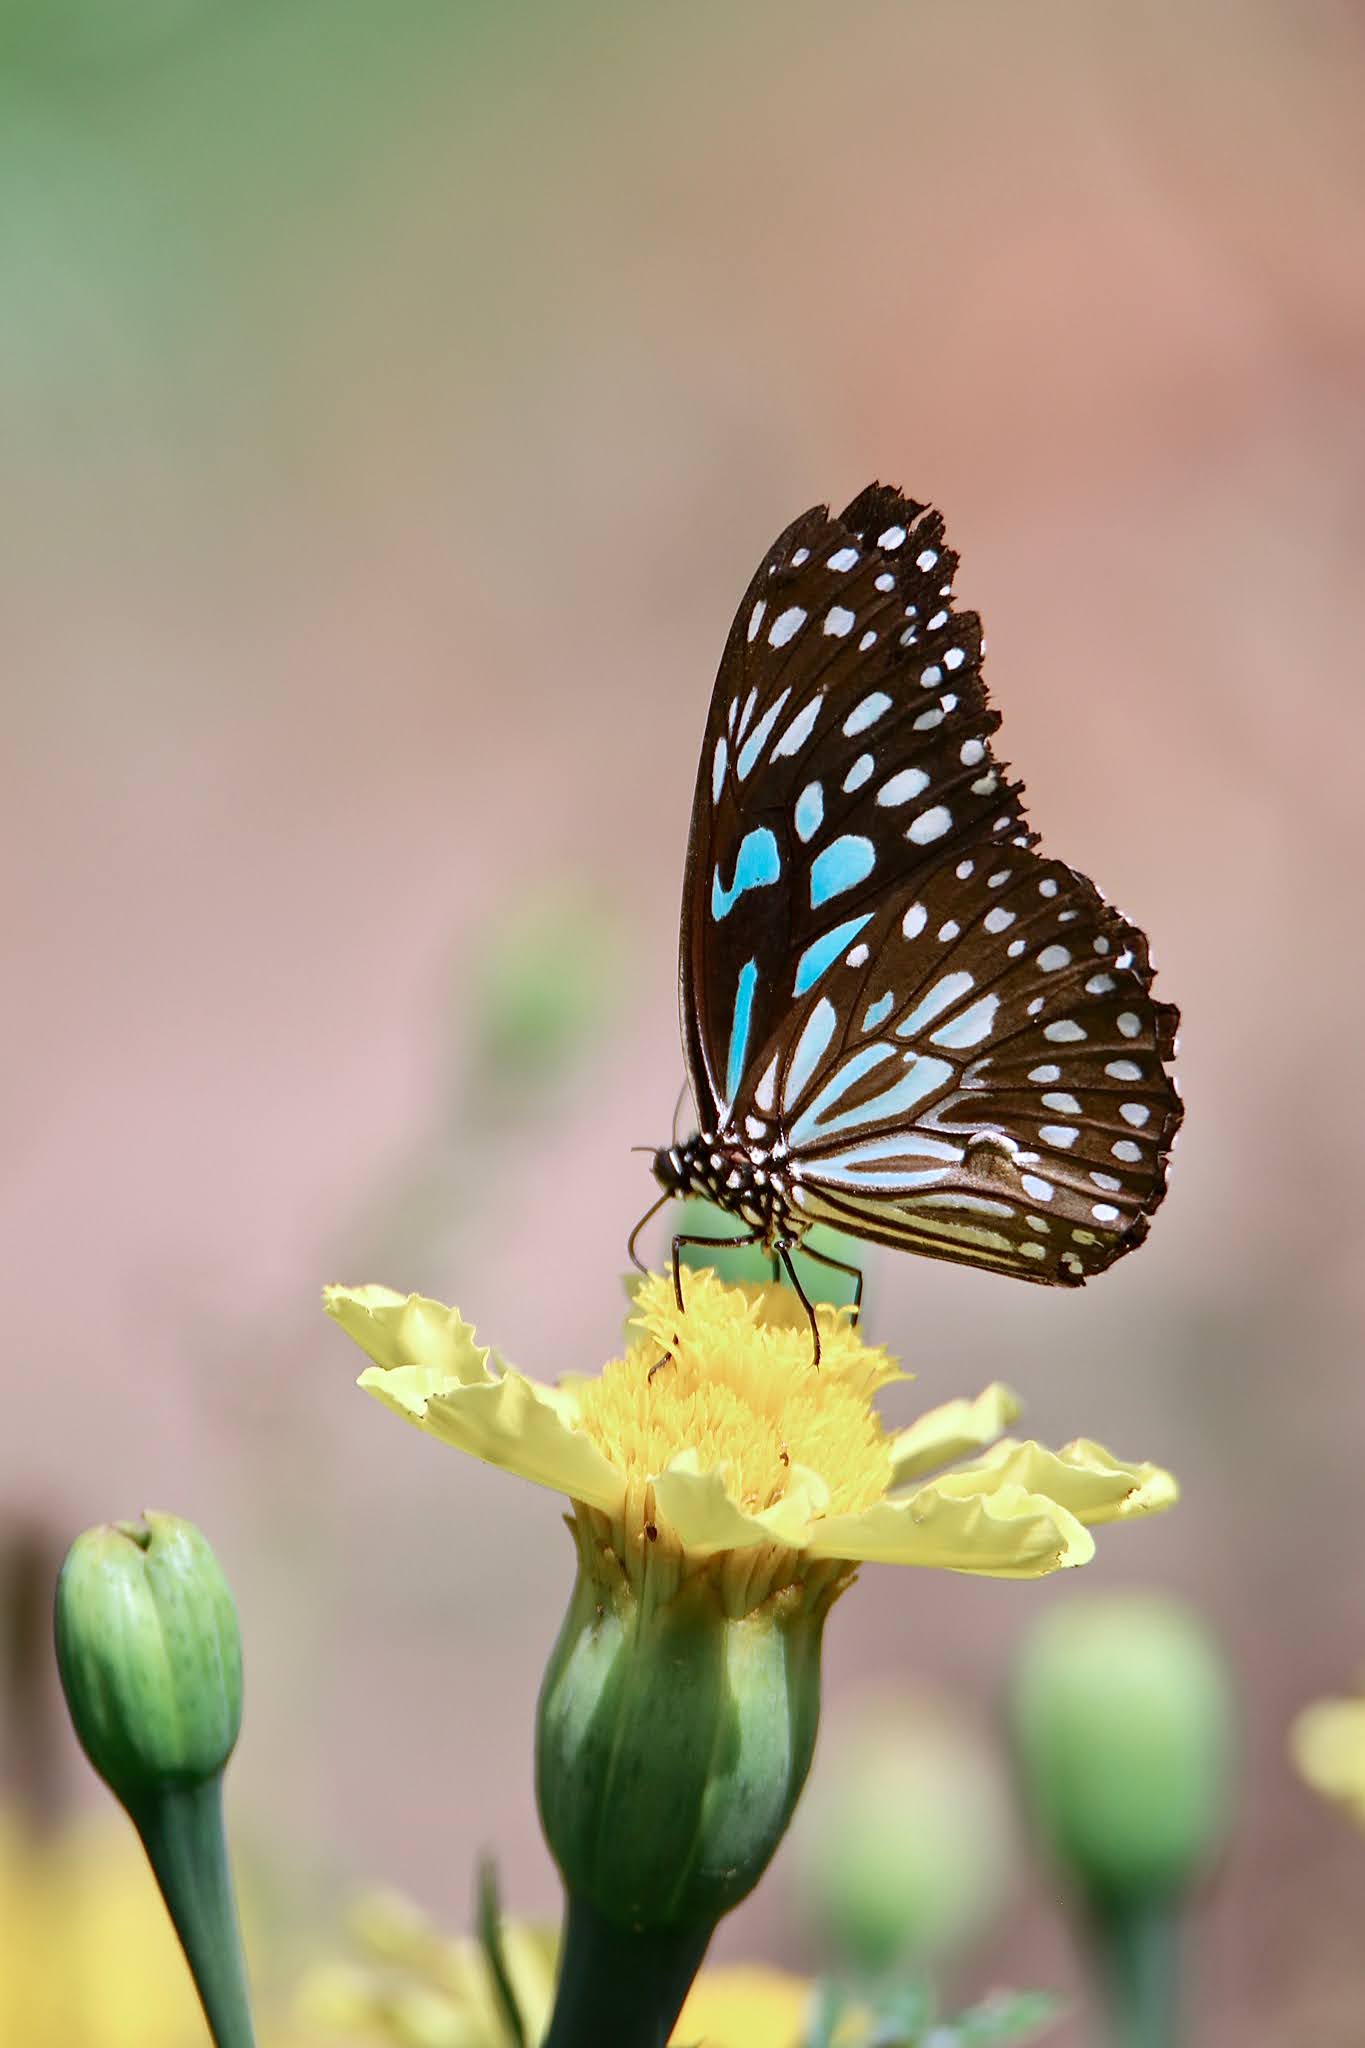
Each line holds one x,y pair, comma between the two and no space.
748,1178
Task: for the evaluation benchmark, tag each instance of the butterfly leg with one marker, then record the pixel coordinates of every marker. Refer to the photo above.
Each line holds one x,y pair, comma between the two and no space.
721,1244
855,1274
784,1253
648,1216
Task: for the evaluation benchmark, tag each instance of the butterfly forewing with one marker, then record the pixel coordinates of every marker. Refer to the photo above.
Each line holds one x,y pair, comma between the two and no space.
950,1039
848,741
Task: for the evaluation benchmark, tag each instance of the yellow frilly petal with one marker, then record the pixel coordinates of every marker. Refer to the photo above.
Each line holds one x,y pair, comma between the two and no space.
429,1370
706,1520
993,1531
945,1434
1327,1743
1082,1477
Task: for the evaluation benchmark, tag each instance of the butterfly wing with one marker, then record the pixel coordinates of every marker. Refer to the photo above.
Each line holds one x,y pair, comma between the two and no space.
981,1077
953,1037
847,743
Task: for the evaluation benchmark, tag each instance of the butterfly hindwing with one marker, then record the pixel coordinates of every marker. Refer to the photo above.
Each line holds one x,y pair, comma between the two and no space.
983,1084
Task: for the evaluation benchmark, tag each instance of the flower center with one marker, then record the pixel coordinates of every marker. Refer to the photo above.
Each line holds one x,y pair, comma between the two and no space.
739,1389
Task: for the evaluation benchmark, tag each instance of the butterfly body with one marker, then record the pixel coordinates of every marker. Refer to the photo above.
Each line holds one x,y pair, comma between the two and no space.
899,1017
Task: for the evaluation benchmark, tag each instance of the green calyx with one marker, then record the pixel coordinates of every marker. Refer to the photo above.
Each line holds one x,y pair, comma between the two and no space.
149,1654
673,1740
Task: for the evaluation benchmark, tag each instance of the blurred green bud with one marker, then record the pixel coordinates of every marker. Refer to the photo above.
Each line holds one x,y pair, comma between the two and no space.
749,1264
1123,1726
905,1842
149,1654
547,981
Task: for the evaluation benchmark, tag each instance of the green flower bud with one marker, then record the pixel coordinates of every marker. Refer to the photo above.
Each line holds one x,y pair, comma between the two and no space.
905,1840
151,1664
1124,1729
673,1740
149,1654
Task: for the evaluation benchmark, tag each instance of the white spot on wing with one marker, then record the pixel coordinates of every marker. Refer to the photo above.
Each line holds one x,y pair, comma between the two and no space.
930,825
1065,1031
786,626
999,919
899,789
1129,1023
891,538
914,921
843,558
756,618
839,621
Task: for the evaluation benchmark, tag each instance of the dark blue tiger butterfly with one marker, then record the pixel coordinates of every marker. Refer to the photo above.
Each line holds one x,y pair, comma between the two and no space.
899,1017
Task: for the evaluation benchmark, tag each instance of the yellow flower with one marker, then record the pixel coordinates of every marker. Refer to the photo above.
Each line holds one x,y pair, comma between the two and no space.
410,1986
87,1955
1327,1744
739,1454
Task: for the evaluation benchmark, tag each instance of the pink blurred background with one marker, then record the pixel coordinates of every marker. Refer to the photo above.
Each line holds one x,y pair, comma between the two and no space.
396,402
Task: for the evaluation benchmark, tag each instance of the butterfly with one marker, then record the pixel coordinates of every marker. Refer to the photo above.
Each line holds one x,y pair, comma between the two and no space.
899,1016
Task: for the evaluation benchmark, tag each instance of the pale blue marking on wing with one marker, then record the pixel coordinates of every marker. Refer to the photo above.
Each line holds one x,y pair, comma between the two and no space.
922,1177
718,765
822,951
819,1029
739,1027
971,1027
867,713
799,731
757,864
880,1010
941,996
853,1069
841,865
904,1145
810,811
922,1079
758,738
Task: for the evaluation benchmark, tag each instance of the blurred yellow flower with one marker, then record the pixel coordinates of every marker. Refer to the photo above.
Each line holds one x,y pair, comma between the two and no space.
1327,1744
410,1986
740,1451
87,1955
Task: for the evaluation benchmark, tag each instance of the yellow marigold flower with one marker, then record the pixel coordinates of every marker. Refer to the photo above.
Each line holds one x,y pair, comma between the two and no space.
1327,1744
739,1451
725,1492
87,1955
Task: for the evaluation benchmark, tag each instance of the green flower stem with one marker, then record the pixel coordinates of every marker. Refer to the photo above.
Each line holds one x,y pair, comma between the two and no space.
182,1831
1137,1946
619,1986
